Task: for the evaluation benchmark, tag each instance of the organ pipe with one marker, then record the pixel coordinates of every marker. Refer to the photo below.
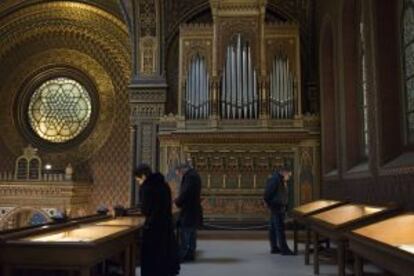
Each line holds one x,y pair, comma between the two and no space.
281,89
239,82
249,97
239,65
244,87
197,99
233,79
239,93
228,84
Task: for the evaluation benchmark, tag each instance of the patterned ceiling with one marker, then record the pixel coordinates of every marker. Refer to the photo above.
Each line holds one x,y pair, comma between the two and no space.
111,6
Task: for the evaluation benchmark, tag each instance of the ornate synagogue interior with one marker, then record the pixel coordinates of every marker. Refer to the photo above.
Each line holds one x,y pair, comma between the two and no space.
90,89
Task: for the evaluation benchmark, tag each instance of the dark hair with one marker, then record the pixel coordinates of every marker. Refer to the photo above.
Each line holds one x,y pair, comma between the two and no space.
142,169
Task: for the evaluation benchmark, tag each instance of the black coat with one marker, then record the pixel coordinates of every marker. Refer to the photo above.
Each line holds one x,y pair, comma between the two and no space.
189,200
276,194
159,254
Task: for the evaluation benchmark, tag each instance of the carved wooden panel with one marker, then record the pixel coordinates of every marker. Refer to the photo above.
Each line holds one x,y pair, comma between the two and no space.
283,40
249,29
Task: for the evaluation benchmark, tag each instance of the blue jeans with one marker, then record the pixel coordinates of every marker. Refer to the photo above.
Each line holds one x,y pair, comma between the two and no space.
188,245
277,232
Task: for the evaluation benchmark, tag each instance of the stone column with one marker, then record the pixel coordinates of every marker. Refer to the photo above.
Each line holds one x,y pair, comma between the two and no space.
147,106
147,91
147,102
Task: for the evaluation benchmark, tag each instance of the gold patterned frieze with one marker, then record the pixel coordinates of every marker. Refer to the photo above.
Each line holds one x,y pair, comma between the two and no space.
64,17
252,137
237,8
44,197
46,194
64,8
140,94
196,29
307,123
281,28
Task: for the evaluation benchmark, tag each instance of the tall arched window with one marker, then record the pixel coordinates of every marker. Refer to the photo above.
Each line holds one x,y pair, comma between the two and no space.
408,66
363,95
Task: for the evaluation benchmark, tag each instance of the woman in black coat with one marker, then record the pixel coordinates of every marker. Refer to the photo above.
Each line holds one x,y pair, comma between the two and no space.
159,252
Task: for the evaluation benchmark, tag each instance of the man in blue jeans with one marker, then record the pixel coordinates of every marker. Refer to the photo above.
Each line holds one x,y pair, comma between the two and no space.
189,202
276,198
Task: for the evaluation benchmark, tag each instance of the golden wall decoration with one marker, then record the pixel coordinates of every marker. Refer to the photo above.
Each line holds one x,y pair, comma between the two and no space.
148,37
149,48
70,197
51,58
234,165
49,34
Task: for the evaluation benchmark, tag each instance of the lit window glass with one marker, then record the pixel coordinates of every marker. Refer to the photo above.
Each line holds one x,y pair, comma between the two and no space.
59,110
364,91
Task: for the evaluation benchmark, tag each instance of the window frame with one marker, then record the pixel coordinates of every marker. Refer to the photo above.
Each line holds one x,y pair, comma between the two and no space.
39,96
32,83
362,90
408,145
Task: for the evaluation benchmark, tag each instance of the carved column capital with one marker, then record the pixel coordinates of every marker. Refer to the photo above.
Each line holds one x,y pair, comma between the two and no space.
147,101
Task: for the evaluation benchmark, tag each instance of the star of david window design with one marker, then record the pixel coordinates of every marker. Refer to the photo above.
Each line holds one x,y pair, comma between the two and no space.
59,110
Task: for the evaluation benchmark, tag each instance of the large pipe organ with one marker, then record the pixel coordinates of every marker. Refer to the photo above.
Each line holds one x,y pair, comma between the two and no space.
240,110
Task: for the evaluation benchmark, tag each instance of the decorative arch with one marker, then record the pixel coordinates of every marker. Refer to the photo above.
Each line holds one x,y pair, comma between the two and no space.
7,219
110,6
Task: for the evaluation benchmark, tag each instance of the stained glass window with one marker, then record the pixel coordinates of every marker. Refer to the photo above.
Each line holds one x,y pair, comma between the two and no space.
59,110
408,64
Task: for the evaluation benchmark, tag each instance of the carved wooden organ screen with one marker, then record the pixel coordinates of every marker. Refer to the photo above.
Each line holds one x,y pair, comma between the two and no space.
234,80
239,105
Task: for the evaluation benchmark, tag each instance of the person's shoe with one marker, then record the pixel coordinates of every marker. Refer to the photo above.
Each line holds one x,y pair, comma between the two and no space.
187,258
275,251
287,253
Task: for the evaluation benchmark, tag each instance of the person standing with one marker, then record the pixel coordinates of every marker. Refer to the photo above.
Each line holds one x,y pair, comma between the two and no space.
276,199
190,217
159,253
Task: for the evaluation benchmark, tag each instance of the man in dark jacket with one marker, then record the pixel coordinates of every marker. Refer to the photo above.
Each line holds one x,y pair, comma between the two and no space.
159,251
189,202
276,198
